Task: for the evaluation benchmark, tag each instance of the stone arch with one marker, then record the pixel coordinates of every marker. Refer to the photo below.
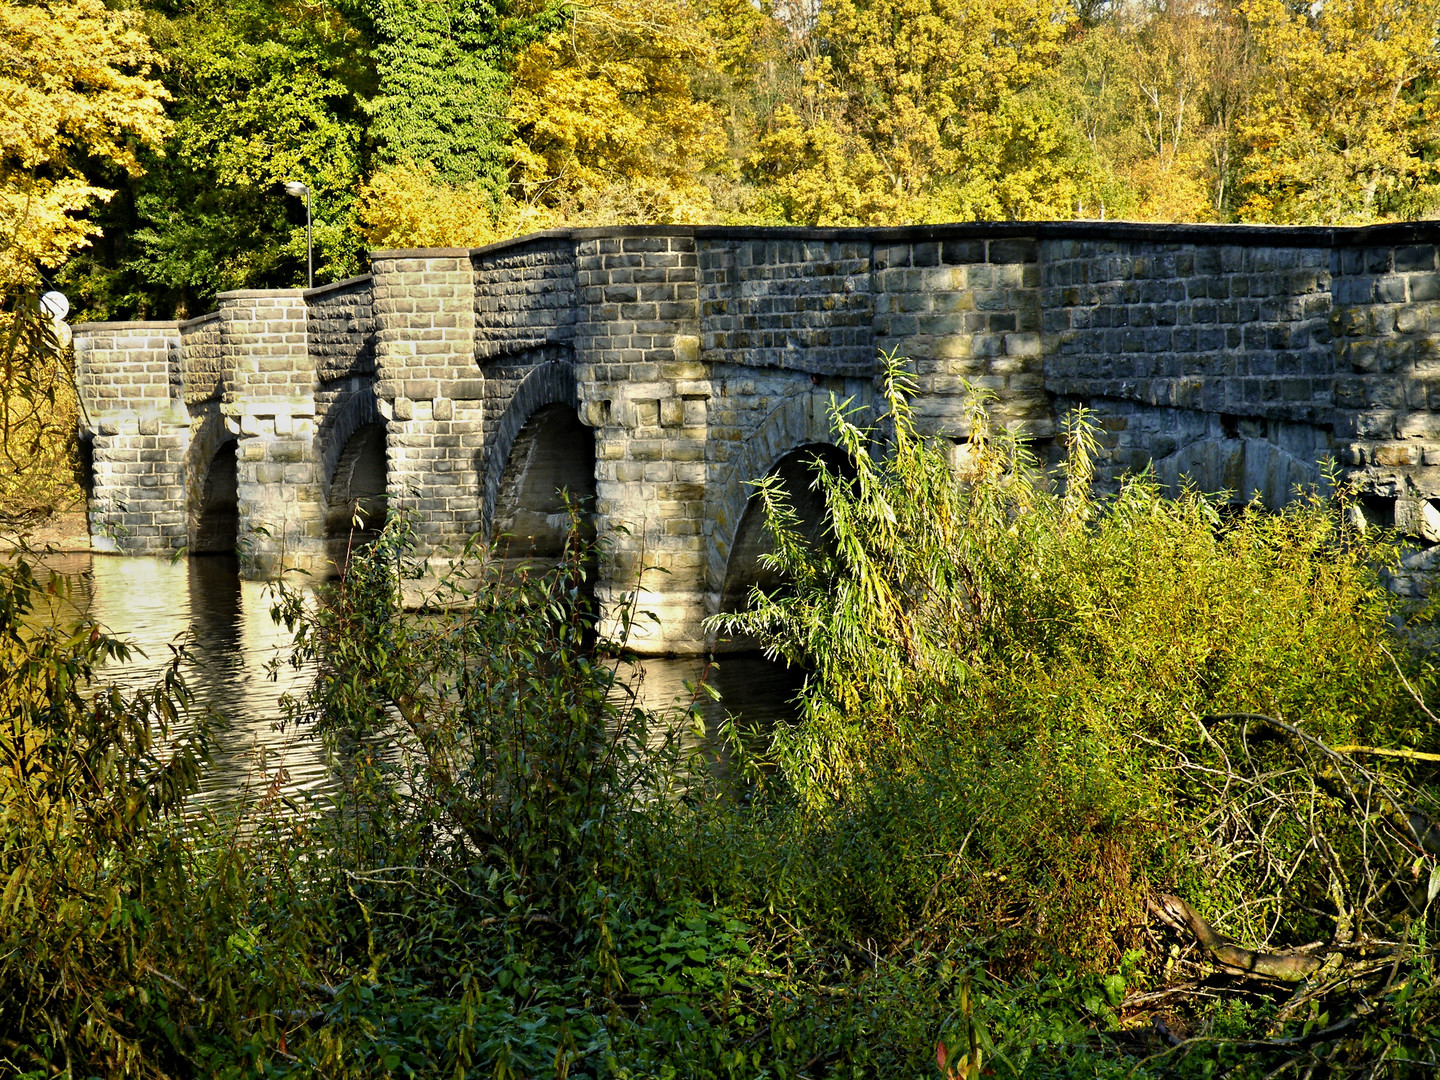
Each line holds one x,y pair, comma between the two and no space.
357,488
212,485
550,384
341,421
801,420
1248,457
745,567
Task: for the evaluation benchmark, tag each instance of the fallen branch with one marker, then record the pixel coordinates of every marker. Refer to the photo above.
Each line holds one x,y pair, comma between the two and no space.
1285,967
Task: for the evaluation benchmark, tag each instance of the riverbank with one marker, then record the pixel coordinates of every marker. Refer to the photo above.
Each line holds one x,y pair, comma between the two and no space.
67,531
1133,788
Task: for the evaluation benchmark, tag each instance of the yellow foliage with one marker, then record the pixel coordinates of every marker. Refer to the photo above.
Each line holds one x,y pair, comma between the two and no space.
408,206
943,120
1342,125
607,129
1172,190
74,79
39,414
925,98
821,175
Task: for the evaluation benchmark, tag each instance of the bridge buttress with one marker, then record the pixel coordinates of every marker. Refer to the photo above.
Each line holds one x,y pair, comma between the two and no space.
128,376
646,391
429,389
268,401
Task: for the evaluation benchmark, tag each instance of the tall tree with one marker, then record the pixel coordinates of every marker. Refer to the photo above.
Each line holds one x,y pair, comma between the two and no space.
76,87
75,80
265,91
607,124
1344,125
946,100
441,99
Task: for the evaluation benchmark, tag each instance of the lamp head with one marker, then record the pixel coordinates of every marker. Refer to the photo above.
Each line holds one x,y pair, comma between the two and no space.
296,188
55,305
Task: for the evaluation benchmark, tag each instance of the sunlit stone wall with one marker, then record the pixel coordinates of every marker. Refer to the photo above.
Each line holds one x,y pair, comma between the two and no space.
1260,361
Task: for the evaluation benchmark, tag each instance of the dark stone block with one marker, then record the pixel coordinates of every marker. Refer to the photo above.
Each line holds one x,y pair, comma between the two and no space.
925,255
1416,257
1425,287
961,252
1014,251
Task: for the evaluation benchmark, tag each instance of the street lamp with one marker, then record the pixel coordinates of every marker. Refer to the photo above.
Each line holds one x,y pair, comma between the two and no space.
300,191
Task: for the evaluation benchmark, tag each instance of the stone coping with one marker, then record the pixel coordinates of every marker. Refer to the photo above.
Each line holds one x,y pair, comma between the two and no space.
1397,232
259,294
94,327
431,253
335,286
1316,236
209,316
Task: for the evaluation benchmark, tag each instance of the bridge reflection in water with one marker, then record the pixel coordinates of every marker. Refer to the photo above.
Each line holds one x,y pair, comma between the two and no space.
232,667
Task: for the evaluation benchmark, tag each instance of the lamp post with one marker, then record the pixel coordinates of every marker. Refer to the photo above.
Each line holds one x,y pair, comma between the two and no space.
300,191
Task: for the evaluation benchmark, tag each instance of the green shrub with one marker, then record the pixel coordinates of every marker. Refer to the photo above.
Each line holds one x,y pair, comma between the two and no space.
132,943
1002,674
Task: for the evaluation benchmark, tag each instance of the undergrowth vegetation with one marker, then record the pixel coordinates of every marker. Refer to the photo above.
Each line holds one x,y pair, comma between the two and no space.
1133,786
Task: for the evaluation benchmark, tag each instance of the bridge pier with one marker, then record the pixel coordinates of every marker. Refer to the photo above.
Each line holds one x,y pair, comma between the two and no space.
268,403
429,391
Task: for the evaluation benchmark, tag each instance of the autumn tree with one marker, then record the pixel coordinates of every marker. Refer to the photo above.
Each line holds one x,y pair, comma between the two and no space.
1342,127
409,206
1156,91
75,79
76,82
607,127
944,100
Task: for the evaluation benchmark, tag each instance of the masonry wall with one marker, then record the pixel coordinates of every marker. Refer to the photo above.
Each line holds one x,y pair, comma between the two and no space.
340,329
203,369
429,390
524,295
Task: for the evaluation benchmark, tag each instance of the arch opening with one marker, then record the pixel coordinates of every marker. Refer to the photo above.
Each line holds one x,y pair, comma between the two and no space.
218,523
553,453
357,504
85,464
746,569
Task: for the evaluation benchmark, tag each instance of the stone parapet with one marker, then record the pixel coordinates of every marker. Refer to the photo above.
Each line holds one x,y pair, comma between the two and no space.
203,375
524,295
340,329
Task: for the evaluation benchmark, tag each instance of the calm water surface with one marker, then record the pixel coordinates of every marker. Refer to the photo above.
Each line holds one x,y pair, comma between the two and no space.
236,665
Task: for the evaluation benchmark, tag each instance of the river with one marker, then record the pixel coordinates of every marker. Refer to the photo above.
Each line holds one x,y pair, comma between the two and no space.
236,665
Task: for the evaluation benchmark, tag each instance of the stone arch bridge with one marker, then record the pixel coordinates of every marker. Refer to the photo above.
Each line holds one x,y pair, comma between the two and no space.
658,369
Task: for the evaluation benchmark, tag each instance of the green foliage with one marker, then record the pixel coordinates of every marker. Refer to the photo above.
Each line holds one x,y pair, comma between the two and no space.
265,91
1002,670
1020,727
130,942
441,97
